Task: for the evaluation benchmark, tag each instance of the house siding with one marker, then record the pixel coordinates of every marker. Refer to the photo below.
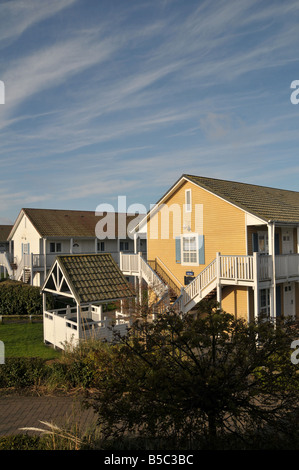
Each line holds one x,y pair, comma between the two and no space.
235,301
25,233
223,229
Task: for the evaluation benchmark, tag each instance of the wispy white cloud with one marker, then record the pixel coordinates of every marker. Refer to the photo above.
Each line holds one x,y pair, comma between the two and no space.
189,87
16,16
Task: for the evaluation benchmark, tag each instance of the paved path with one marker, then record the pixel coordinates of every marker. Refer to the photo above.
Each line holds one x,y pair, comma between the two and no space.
22,411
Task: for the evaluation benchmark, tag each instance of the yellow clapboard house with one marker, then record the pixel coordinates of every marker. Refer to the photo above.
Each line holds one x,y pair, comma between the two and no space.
237,242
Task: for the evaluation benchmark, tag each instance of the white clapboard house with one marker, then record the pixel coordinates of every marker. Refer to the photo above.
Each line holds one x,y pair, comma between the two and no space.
39,235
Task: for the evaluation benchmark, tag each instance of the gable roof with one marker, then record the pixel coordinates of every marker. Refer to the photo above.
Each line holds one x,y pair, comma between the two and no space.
269,204
4,232
92,278
266,203
67,223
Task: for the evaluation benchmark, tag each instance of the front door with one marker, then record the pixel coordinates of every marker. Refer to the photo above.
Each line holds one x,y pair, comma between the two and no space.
287,241
288,299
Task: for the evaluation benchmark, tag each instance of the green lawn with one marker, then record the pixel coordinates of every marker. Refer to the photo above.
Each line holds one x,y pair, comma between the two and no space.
25,340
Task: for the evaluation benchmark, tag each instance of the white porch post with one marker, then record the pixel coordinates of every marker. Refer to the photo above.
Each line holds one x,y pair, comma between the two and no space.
71,245
135,243
100,310
218,273
271,242
44,310
256,284
31,269
44,302
78,321
45,257
140,278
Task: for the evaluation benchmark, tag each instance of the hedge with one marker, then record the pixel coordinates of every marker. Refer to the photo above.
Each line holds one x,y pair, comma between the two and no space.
17,298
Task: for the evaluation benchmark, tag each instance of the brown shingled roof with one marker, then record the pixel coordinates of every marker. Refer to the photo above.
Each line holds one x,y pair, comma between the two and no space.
69,223
4,232
267,203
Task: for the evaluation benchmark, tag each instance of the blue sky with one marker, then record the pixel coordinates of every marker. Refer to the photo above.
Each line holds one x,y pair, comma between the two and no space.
120,98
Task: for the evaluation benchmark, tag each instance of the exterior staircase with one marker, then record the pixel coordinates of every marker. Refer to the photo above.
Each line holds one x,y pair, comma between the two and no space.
18,272
169,294
223,270
26,276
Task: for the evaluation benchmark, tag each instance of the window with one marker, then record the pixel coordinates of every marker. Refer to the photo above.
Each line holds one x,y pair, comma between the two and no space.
263,242
101,246
265,302
26,249
124,246
55,247
188,202
189,249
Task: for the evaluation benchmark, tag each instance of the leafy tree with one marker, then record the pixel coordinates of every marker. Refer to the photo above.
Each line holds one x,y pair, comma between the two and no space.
190,379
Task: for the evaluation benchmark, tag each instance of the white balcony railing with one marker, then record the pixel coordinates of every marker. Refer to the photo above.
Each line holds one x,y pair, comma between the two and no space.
239,268
286,266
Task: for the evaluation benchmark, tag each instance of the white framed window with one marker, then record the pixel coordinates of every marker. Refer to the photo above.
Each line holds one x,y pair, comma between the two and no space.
188,200
55,247
100,246
124,246
189,249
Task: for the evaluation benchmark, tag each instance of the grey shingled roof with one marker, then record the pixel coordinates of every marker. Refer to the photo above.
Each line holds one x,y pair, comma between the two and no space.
94,277
267,203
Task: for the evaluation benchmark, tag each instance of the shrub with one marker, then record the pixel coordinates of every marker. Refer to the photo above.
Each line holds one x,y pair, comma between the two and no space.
21,442
77,372
23,372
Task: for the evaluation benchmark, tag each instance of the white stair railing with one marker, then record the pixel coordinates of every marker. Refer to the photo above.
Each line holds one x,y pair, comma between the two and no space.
152,278
19,269
25,262
4,261
196,287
